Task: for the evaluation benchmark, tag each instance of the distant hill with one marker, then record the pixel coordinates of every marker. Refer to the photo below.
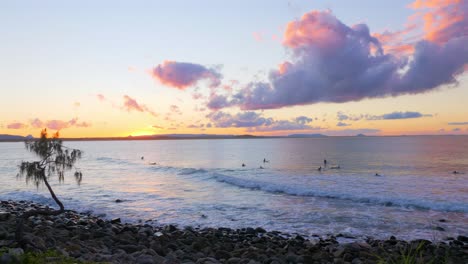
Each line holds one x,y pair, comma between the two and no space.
5,137
306,135
361,135
190,136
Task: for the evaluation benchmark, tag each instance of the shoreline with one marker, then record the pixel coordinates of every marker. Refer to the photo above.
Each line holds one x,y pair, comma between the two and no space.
86,237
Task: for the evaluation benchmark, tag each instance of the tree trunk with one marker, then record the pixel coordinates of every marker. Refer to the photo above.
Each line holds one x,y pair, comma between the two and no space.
53,195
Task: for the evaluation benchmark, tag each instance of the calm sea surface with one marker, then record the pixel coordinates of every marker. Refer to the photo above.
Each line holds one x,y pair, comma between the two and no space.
202,183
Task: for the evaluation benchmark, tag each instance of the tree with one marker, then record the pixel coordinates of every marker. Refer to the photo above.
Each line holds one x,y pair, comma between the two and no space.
55,159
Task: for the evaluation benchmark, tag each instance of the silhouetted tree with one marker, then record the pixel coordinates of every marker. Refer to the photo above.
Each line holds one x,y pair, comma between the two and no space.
54,159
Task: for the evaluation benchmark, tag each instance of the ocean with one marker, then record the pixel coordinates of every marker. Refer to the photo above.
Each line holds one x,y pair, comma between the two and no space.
201,183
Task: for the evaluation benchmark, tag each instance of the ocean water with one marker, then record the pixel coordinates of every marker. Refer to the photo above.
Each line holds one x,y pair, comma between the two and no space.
201,183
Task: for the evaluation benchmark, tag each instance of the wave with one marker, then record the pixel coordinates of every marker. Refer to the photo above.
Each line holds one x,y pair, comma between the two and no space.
301,190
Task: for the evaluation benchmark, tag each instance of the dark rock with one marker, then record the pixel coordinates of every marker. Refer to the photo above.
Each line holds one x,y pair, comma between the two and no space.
463,239
439,228
115,221
222,254
118,201
145,259
170,228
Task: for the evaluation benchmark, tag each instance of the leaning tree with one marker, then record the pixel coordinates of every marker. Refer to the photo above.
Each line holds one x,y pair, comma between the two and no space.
54,159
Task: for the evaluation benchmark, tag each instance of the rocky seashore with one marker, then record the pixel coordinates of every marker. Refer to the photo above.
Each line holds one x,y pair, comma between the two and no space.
86,238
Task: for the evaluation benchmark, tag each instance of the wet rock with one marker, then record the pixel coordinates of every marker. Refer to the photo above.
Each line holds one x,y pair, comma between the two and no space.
115,221
462,239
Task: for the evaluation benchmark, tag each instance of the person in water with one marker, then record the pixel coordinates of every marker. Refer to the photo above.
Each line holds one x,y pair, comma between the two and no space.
324,162
376,174
265,161
243,165
261,167
142,157
320,168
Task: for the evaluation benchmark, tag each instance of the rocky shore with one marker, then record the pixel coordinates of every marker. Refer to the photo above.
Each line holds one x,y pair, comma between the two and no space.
86,238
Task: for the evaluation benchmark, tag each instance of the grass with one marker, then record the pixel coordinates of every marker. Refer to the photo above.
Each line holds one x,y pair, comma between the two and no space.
410,255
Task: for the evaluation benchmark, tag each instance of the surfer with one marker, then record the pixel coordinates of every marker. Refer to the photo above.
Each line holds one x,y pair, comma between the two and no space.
243,165
261,167
324,162
335,167
319,168
142,157
265,161
376,174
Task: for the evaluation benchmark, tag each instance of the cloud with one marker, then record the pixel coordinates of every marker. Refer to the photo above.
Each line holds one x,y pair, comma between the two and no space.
157,127
131,104
258,36
457,123
17,125
175,109
456,129
443,20
101,97
244,119
74,122
255,122
183,74
398,115
334,62
389,116
56,124
36,123
341,124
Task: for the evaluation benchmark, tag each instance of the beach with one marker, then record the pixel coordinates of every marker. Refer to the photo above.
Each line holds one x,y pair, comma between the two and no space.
84,237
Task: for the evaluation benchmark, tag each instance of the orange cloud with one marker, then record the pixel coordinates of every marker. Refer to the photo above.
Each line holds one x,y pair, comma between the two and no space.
443,19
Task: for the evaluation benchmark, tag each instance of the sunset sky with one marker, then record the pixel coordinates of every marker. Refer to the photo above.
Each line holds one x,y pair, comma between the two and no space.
119,68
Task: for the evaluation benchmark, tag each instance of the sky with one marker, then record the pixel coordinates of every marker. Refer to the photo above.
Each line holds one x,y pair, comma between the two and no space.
120,68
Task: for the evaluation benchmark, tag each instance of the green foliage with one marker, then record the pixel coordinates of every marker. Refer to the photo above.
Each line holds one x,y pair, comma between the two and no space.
54,159
408,255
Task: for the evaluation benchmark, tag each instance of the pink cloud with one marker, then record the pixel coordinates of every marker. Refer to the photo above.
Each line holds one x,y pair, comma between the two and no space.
131,104
101,97
258,36
16,125
37,123
58,124
334,62
182,74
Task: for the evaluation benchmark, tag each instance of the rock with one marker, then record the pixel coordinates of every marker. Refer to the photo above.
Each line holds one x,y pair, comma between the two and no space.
463,239
260,230
131,248
439,228
356,261
222,254
4,216
8,258
339,252
118,201
145,259
170,228
233,260
115,221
